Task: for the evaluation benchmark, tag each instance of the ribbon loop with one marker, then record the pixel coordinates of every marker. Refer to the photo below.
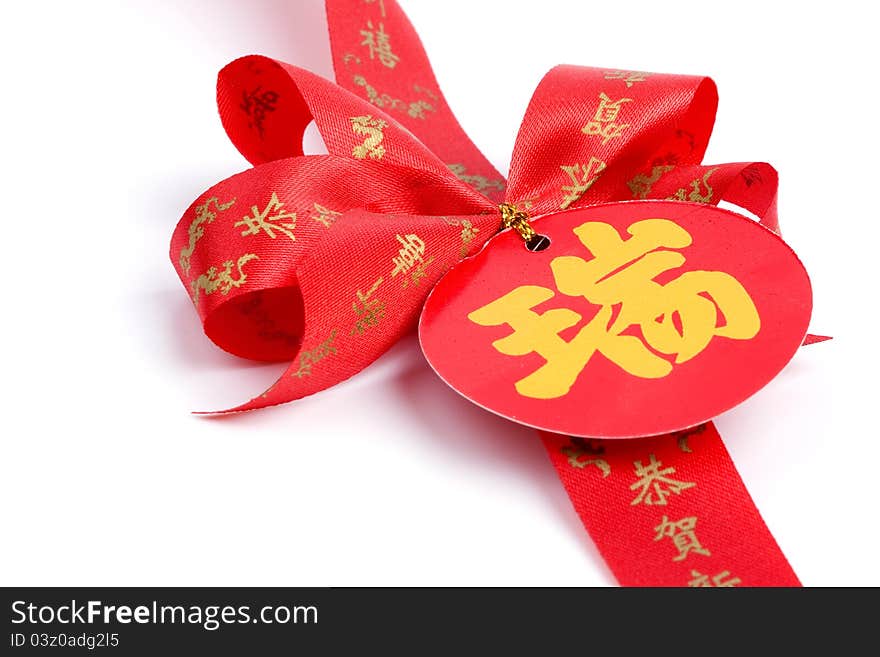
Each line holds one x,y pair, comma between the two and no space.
240,248
588,132
358,305
266,105
752,186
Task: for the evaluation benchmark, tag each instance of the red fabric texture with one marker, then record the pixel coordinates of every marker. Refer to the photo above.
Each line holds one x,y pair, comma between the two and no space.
669,511
298,258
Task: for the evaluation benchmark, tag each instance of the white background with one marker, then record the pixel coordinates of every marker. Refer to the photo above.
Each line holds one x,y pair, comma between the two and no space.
109,131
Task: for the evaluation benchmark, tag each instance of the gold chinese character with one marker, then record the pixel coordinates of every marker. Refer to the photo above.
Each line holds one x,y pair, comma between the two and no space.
377,99
215,280
582,176
425,91
604,120
696,194
681,437
620,279
379,44
369,311
480,183
262,221
373,130
314,356
204,216
655,483
418,272
411,252
580,448
682,535
468,233
641,184
325,216
416,109
721,580
630,77
410,259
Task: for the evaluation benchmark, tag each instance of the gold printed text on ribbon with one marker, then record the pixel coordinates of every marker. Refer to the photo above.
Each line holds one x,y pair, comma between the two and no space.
604,123
368,309
582,177
655,483
378,43
642,183
325,216
480,183
629,77
468,234
222,280
582,453
204,215
700,191
374,132
683,535
311,357
416,108
410,259
270,219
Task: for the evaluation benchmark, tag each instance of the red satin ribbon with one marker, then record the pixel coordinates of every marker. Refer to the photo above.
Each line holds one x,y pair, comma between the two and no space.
293,260
669,511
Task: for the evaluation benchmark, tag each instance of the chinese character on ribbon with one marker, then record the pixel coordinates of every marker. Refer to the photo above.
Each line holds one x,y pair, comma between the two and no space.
272,218
325,216
582,176
581,453
480,183
257,104
604,120
655,484
369,310
683,537
629,77
411,252
620,280
379,44
468,234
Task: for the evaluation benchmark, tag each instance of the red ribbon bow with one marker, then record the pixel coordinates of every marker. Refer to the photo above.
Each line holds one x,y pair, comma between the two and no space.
292,260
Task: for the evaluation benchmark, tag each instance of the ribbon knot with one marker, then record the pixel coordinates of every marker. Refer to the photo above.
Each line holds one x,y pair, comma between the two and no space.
519,221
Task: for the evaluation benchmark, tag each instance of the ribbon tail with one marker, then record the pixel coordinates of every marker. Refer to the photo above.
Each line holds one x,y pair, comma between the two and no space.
265,106
669,511
588,130
378,56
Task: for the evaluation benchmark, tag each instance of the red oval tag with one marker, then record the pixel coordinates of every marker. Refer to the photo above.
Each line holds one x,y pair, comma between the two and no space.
640,318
